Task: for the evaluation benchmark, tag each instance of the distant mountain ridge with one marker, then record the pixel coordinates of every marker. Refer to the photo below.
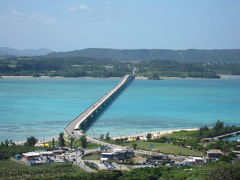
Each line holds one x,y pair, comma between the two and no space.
9,52
190,55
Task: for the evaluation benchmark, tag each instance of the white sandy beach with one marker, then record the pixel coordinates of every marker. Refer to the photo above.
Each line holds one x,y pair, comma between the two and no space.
55,77
229,76
40,140
154,133
141,135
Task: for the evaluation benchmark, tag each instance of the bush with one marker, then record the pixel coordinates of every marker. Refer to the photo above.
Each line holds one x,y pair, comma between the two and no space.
31,141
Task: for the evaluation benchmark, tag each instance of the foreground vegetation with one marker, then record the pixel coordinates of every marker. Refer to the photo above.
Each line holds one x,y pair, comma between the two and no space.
9,149
82,67
217,130
197,139
167,148
165,145
14,170
187,143
64,171
7,152
179,143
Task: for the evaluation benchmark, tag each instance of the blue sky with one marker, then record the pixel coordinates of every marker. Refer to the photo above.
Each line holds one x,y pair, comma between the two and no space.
64,25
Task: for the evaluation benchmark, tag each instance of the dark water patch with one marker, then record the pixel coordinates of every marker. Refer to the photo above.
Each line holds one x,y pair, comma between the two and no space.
12,130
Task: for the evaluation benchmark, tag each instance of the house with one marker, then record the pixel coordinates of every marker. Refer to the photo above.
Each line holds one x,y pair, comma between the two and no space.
118,154
199,160
237,153
193,160
157,158
37,154
214,155
106,156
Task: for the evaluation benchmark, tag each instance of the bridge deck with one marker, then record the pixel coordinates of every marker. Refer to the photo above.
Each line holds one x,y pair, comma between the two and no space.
75,123
226,135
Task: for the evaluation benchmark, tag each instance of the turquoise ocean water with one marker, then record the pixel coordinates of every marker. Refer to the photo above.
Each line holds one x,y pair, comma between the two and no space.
233,138
43,107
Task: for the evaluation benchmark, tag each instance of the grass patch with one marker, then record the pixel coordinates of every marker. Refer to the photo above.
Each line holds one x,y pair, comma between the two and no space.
50,144
91,165
14,170
90,145
167,148
183,134
92,156
8,164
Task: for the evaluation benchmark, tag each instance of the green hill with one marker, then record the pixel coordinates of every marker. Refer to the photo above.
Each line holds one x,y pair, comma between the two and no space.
190,55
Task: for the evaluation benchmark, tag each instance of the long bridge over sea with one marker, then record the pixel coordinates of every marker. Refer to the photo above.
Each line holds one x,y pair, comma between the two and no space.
77,126
226,135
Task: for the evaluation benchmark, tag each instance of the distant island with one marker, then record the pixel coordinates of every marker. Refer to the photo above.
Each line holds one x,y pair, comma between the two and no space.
116,63
189,55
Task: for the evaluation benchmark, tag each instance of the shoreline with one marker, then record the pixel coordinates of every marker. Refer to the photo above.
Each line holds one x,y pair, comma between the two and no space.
154,133
226,76
222,76
55,77
40,140
141,135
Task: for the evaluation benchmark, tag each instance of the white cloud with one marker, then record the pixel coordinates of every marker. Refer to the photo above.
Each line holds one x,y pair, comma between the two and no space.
72,9
50,21
15,13
84,7
78,7
22,19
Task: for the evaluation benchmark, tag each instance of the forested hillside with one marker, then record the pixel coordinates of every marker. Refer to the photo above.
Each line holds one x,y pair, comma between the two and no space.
82,67
191,55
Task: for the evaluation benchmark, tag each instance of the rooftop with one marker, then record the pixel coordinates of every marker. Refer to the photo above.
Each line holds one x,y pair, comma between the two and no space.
214,151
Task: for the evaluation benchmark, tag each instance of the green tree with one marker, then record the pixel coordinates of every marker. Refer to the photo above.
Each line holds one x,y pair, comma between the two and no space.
71,141
11,143
31,141
107,137
154,76
137,138
61,140
219,125
225,172
53,142
83,141
134,145
6,143
228,158
101,136
149,136
142,174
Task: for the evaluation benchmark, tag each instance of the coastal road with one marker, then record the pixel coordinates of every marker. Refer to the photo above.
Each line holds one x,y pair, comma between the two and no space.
114,146
80,162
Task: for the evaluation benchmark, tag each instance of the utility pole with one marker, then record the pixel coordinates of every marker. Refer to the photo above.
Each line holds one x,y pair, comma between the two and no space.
76,157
